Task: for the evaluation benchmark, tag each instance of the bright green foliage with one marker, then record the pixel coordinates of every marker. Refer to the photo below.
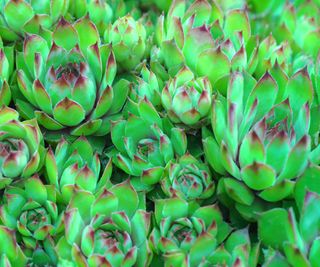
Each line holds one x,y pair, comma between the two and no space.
6,63
21,147
75,166
142,144
30,209
68,84
298,240
260,135
159,133
187,100
186,235
127,38
103,229
188,178
20,17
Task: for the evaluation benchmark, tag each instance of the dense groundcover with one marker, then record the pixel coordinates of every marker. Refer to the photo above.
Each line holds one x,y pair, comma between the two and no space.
160,133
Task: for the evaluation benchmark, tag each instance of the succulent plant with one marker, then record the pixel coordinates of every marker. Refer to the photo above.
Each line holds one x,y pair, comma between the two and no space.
143,146
204,39
108,229
24,16
188,178
187,100
67,83
21,147
186,235
127,38
74,166
147,86
30,209
260,136
298,244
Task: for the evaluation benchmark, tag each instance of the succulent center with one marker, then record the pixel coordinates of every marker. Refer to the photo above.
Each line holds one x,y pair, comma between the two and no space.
144,147
34,219
107,240
190,182
181,234
70,71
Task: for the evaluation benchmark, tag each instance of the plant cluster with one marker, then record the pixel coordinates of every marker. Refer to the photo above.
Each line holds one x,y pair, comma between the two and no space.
160,133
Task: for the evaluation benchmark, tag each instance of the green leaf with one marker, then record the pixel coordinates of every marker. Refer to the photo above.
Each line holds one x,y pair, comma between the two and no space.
17,13
271,225
87,32
238,191
35,190
265,92
297,159
65,35
214,64
126,194
236,21
251,150
258,176
298,96
68,112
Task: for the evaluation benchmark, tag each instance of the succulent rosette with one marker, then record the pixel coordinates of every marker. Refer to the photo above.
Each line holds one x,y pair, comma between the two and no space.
107,230
67,81
189,178
21,147
128,39
29,208
146,85
204,38
144,143
19,17
260,136
187,100
185,235
75,165
298,244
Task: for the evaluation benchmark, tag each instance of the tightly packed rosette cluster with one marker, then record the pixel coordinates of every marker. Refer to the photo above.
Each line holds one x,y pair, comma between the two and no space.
138,133
145,143
296,22
189,235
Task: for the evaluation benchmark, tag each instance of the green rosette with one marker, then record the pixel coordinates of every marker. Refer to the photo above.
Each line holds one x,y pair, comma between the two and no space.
30,210
21,147
107,229
66,80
